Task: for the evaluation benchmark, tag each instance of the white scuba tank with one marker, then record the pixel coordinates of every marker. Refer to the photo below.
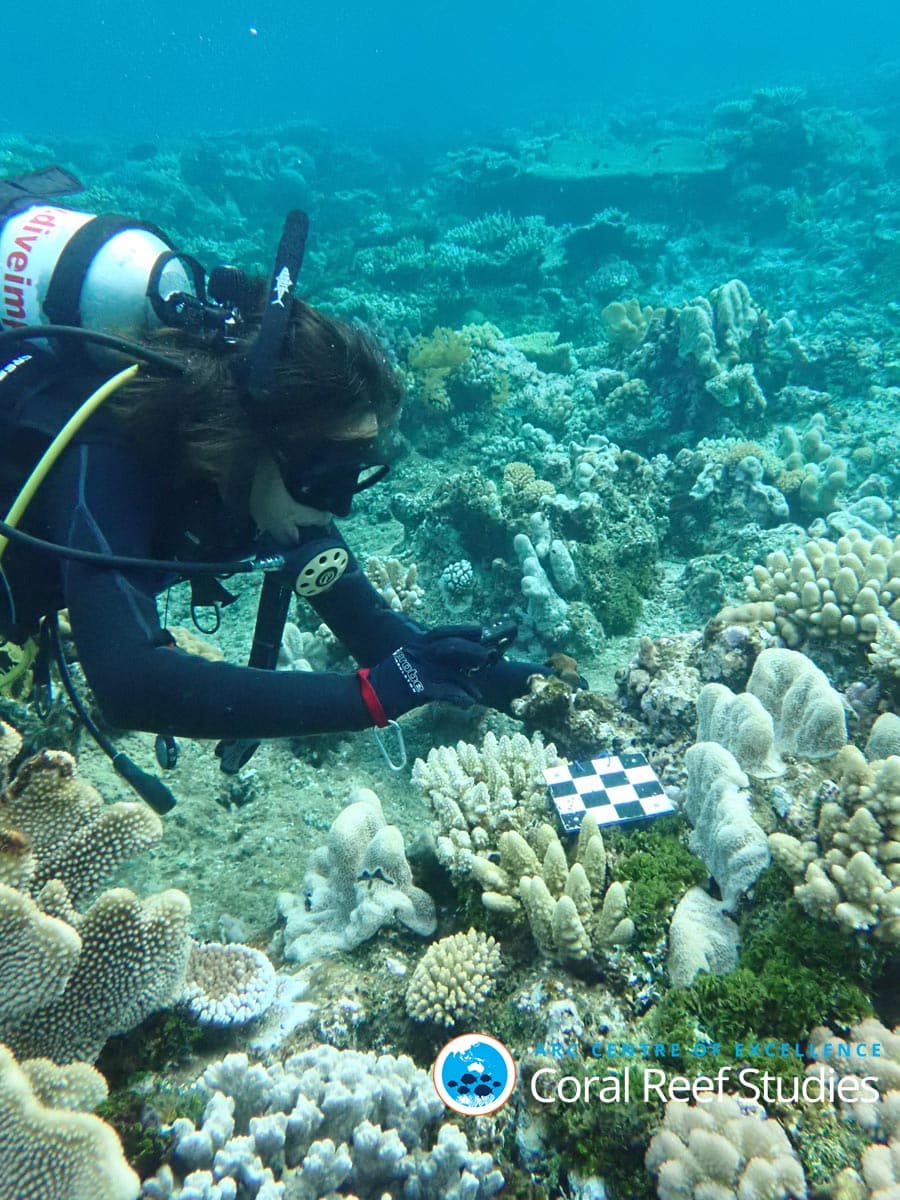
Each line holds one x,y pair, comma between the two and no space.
114,291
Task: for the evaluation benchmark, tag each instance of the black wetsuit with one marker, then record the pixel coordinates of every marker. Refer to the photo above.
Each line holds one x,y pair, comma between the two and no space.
101,497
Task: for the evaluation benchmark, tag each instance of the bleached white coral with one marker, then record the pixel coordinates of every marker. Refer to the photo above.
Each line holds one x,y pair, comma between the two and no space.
323,1120
355,884
715,1151
476,794
227,984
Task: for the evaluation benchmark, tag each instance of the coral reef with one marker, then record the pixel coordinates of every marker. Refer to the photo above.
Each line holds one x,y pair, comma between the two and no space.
357,883
725,835
849,589
643,350
701,938
51,1149
227,984
850,872
323,1121
489,806
453,978
573,913
716,1150
478,794
398,584
878,1177
69,980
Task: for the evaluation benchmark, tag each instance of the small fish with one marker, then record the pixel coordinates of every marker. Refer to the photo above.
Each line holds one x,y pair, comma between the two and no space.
283,284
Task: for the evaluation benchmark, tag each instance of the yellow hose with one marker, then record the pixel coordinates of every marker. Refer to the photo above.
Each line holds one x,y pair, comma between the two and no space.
59,443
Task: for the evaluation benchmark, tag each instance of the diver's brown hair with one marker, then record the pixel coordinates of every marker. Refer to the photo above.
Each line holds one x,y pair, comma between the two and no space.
330,374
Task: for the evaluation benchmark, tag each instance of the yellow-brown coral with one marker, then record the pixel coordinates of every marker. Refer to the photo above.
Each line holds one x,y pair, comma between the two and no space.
433,359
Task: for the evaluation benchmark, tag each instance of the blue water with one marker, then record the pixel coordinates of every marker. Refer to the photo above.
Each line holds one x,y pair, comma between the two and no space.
425,70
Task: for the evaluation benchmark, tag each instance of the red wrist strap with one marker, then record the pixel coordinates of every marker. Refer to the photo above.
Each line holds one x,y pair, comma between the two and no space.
370,698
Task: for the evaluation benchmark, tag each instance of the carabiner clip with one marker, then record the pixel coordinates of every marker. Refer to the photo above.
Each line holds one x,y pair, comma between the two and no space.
401,745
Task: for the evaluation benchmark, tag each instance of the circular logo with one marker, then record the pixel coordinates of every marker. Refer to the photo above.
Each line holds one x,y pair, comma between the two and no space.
321,572
474,1074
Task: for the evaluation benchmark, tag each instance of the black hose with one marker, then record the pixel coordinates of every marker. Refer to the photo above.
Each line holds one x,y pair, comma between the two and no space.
241,566
28,333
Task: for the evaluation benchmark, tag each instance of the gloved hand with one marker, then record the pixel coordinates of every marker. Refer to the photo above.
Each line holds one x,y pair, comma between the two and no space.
440,664
507,680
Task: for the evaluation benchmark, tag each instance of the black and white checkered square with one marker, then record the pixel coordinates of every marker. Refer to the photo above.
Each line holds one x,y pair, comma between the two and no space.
616,788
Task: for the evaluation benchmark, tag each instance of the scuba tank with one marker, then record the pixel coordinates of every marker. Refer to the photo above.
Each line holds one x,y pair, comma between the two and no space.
109,275
66,267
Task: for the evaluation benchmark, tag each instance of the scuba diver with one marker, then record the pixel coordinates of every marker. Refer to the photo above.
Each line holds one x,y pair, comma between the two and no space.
241,439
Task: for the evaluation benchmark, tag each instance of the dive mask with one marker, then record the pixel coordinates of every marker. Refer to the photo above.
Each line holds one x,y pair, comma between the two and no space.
329,480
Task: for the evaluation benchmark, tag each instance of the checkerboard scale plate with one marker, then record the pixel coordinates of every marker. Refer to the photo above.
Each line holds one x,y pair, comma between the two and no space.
616,788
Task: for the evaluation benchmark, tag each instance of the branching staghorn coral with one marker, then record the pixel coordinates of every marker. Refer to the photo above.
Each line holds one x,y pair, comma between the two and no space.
851,872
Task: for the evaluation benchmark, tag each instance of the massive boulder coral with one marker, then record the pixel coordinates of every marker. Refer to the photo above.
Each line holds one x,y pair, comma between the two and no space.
50,1149
850,872
355,884
716,1151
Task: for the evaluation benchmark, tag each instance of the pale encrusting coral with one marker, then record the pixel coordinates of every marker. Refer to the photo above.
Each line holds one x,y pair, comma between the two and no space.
652,369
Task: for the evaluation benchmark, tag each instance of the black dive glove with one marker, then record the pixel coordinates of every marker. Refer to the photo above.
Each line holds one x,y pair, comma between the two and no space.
507,681
441,664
